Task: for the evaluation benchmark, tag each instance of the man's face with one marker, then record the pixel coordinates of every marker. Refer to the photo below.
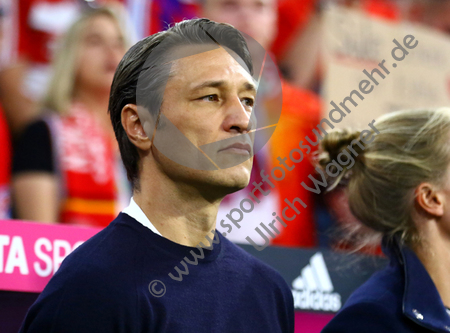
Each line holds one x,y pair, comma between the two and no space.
209,98
256,18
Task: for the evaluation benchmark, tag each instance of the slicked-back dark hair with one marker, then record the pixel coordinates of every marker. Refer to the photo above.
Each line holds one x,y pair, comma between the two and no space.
125,83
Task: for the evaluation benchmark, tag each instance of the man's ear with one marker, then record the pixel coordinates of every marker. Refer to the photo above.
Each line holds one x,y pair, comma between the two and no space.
133,127
430,200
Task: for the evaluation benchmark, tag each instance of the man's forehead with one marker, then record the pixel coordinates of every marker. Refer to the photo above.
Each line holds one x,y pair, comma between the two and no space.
203,52
209,64
185,51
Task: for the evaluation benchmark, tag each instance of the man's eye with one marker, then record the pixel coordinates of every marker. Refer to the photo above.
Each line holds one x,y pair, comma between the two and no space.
210,98
248,102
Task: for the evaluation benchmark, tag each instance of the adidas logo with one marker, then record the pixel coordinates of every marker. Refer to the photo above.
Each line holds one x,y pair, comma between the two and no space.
313,289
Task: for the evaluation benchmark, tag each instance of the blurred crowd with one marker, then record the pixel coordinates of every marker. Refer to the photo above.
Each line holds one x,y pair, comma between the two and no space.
59,157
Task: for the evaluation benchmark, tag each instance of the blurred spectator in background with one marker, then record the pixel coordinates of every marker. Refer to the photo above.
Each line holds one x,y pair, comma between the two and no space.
300,55
35,26
16,107
151,16
297,46
293,17
436,14
7,58
66,165
5,167
300,113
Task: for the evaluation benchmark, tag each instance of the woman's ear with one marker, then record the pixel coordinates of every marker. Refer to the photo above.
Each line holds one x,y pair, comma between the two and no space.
133,127
430,200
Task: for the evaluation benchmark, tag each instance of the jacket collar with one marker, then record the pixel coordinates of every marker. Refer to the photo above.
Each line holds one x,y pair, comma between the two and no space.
421,300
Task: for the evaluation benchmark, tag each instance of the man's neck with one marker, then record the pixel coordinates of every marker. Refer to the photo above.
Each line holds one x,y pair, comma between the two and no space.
181,218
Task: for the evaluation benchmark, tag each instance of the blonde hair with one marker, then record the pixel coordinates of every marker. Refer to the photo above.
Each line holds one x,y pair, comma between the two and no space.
412,147
62,84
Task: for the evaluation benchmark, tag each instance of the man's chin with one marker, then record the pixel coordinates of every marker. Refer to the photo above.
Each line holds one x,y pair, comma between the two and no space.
237,184
230,185
238,187
219,183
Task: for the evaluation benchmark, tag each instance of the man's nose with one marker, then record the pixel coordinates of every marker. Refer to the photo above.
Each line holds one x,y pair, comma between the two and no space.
238,117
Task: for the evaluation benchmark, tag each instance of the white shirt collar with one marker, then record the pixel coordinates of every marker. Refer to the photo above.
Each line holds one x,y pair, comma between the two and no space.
136,212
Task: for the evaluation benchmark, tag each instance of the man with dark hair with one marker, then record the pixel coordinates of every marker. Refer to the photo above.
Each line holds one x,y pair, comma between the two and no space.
181,106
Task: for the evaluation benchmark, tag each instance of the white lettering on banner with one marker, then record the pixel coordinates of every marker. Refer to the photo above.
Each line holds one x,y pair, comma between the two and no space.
4,240
16,257
59,244
43,256
49,254
55,250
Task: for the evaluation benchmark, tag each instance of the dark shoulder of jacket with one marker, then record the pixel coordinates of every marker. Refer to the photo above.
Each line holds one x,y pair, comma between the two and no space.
367,317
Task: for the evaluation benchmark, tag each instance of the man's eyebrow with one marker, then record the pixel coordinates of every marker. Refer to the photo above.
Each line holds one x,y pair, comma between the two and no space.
217,84
209,84
250,87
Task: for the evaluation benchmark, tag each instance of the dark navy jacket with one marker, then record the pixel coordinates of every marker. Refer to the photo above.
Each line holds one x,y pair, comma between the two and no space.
401,298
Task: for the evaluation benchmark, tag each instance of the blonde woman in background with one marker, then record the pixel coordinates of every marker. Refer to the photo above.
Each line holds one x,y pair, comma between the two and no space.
65,166
400,188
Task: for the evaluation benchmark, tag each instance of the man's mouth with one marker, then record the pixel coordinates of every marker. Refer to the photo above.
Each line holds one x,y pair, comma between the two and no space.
241,148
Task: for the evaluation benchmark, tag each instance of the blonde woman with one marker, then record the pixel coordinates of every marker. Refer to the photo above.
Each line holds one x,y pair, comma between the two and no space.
399,186
65,166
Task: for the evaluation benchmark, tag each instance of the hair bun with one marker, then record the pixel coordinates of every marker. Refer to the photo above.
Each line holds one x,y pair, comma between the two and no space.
335,142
